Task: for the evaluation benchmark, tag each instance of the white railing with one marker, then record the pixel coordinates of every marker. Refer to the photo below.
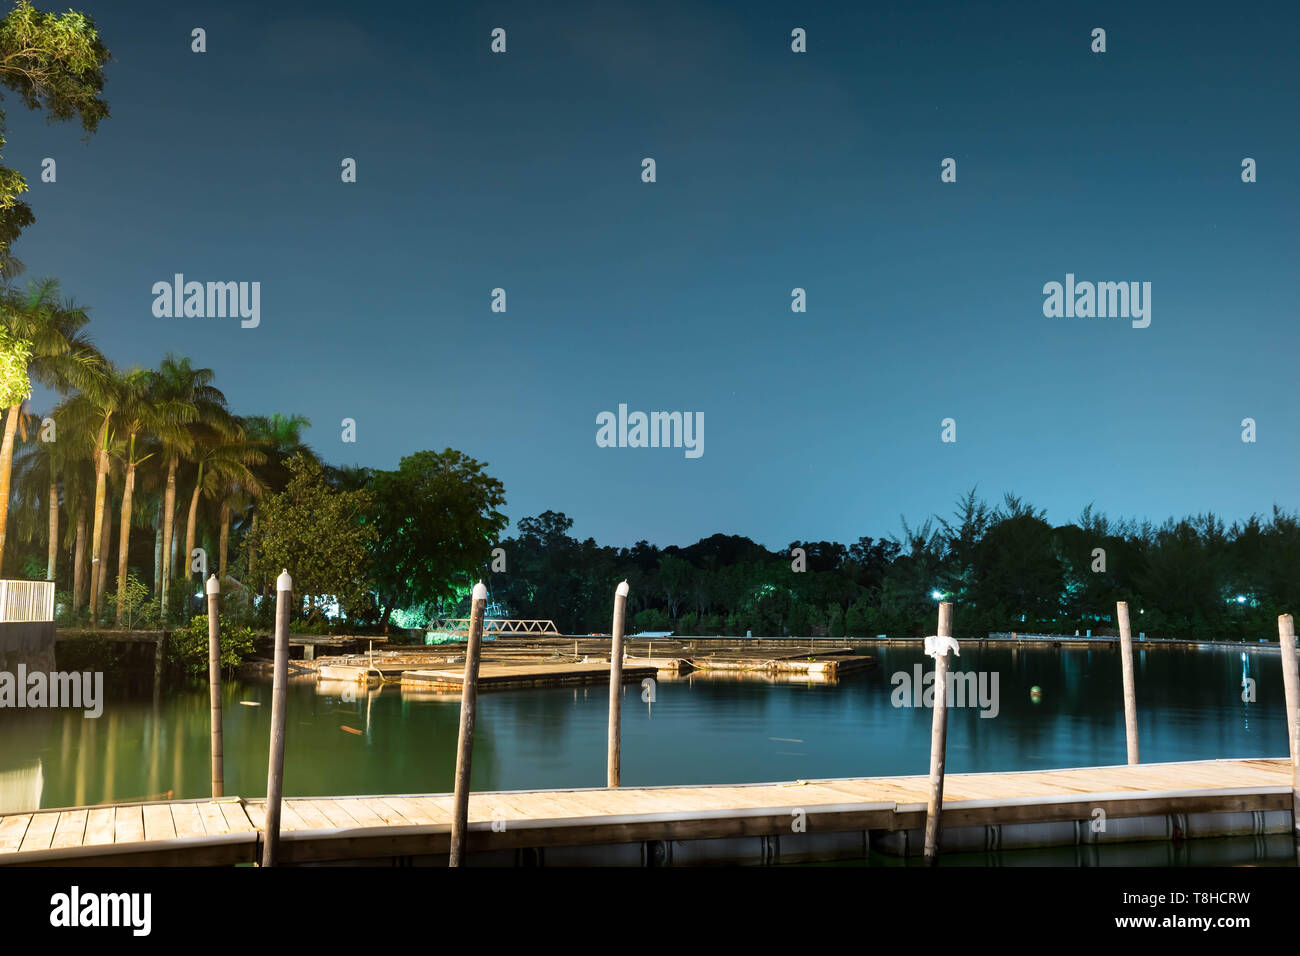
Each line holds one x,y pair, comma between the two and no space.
26,601
494,626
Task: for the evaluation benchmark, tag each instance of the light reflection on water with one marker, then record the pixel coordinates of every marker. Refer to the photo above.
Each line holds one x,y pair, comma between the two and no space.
698,731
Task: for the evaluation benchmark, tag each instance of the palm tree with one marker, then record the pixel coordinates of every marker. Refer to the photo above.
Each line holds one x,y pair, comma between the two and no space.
100,579
142,411
92,411
222,457
38,466
238,491
187,396
77,441
42,340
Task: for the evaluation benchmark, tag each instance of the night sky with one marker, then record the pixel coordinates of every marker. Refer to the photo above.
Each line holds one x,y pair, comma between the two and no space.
775,170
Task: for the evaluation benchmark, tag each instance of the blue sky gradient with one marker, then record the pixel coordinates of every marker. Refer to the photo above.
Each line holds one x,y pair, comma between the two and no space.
775,171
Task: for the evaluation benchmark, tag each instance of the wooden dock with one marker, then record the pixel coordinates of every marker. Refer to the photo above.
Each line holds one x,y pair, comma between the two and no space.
560,661
814,665
647,825
498,676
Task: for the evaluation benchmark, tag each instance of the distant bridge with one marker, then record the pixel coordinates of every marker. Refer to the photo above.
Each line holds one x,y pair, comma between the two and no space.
495,626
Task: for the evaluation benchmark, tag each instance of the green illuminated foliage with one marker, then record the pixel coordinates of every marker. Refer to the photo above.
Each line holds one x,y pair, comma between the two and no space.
318,535
54,63
15,355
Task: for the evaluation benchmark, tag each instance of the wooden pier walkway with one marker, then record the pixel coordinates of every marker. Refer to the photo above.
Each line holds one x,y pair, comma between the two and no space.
227,831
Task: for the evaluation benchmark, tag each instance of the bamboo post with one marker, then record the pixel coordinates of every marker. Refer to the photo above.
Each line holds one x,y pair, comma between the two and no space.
938,733
279,695
465,743
1291,683
214,684
1130,695
613,759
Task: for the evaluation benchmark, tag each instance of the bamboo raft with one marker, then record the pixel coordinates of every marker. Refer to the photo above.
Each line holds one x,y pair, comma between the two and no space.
639,825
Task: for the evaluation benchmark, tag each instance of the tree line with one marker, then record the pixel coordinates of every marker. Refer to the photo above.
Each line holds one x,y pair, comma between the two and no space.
1005,567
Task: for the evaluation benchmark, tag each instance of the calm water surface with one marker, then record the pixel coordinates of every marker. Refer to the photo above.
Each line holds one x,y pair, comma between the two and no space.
700,731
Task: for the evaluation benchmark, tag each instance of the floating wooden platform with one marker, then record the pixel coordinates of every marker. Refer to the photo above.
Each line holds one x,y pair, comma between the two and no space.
571,658
494,676
825,666
672,664
639,825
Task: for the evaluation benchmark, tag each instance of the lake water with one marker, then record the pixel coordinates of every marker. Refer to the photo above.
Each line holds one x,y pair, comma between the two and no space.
697,731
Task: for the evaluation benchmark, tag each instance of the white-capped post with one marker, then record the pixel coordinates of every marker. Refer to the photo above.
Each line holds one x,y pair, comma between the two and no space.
1130,693
938,648
279,701
1291,685
613,762
214,684
465,743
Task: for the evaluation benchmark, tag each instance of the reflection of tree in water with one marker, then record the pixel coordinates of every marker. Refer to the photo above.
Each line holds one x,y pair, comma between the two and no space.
20,787
390,745
706,730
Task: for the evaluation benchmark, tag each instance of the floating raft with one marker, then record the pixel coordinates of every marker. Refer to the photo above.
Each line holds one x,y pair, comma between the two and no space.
816,666
494,676
634,826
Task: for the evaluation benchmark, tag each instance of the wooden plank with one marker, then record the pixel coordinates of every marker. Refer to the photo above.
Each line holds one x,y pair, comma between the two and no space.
99,827
71,829
236,818
214,821
158,822
335,814
40,831
361,812
311,817
186,820
413,812
557,806
289,817
128,824
12,829
256,813
386,813
439,809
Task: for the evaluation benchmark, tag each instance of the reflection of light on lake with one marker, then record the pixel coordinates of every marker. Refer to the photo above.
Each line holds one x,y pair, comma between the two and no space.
21,789
704,731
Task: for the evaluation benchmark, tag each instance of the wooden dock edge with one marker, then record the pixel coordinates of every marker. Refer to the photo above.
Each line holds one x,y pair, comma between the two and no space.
229,849
736,835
